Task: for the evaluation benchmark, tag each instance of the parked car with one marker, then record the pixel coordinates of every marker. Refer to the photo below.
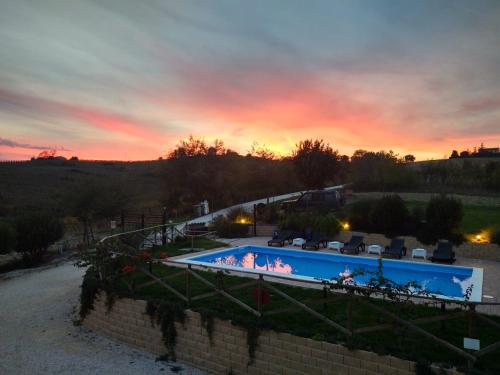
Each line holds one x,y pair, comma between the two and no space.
329,200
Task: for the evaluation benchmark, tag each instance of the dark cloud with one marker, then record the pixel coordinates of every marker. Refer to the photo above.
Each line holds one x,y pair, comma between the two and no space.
10,143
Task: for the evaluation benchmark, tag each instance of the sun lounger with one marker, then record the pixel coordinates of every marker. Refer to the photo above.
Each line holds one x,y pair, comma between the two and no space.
281,237
354,246
444,253
396,249
315,241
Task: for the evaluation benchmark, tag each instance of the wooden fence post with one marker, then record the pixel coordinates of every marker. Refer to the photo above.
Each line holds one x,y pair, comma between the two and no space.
259,294
188,285
349,312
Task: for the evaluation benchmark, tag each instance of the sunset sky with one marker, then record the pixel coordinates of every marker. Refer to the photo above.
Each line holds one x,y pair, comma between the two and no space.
127,79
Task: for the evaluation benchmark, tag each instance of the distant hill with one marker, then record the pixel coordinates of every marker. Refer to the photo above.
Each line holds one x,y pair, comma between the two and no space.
41,184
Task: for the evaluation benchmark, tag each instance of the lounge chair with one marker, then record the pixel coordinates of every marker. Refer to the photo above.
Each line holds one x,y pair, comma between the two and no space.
354,246
281,237
444,253
396,249
315,240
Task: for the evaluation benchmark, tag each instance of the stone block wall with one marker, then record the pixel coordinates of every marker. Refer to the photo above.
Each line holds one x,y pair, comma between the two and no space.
276,354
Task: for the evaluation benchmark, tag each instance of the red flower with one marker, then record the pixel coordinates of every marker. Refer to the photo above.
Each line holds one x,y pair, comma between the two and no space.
163,255
146,255
129,268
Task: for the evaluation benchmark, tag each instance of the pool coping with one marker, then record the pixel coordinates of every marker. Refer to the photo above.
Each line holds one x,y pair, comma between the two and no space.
476,277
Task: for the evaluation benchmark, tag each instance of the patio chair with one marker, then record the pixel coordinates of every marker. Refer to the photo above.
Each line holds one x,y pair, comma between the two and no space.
444,253
354,246
396,249
281,237
315,240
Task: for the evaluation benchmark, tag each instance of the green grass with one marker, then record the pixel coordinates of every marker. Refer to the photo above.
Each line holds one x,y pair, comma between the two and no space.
174,249
402,343
475,218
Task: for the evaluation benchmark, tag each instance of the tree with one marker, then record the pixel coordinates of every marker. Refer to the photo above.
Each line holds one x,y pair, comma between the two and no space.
454,154
390,215
380,171
464,154
35,233
443,217
315,163
97,200
409,158
8,237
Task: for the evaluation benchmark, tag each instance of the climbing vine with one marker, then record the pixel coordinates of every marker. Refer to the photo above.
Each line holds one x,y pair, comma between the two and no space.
90,288
165,314
207,322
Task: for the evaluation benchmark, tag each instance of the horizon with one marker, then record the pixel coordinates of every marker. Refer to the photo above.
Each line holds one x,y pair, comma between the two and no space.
126,82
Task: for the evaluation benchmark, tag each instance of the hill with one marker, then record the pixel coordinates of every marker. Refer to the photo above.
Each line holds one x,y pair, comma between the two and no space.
45,184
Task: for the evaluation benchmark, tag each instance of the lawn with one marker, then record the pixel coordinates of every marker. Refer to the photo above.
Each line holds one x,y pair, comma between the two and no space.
402,342
475,218
179,247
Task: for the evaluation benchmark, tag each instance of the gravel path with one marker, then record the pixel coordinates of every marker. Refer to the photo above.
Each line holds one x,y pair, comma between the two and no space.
37,334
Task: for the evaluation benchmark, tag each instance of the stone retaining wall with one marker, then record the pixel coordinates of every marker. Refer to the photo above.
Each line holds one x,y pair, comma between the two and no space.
277,353
466,250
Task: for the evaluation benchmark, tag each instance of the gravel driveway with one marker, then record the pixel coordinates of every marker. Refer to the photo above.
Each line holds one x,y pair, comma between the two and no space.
37,334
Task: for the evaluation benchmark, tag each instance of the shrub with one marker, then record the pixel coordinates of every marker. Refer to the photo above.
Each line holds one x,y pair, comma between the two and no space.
229,229
235,215
495,237
35,233
390,215
443,216
326,224
8,238
359,214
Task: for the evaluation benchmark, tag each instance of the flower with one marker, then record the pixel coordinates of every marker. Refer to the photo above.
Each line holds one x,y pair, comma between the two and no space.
129,268
163,255
146,255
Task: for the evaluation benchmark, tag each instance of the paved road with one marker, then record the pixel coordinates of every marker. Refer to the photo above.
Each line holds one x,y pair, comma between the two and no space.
37,335
249,205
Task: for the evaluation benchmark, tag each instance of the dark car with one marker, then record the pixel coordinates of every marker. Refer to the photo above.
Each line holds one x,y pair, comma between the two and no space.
329,200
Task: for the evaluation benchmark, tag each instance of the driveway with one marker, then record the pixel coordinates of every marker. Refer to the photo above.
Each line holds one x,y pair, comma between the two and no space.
37,334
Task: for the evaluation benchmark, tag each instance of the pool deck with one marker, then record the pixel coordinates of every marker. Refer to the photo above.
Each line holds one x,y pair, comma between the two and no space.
491,280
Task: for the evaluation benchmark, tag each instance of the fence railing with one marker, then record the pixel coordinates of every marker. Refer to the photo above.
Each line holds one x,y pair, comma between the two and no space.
351,294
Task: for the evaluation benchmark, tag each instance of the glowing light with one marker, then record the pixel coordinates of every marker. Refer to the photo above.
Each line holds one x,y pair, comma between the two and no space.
478,237
243,220
346,226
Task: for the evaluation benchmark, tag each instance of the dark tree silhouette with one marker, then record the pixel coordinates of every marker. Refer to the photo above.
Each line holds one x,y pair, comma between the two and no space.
315,163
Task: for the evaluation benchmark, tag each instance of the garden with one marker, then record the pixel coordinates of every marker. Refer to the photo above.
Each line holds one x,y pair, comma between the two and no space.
170,290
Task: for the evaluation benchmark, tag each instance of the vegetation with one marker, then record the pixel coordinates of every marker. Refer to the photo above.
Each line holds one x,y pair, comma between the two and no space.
327,224
400,342
8,237
35,233
229,229
443,217
315,163
390,216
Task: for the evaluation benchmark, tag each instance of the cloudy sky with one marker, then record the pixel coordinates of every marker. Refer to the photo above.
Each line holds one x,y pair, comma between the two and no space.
127,79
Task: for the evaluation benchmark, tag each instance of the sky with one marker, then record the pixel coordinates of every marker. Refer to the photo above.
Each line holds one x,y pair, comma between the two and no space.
127,79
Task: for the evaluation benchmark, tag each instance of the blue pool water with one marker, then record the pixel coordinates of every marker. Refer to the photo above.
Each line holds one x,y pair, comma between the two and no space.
441,280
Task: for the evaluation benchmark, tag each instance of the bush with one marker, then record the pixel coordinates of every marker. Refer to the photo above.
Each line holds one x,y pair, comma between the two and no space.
495,237
235,215
326,224
390,215
8,238
228,229
35,233
443,216
359,214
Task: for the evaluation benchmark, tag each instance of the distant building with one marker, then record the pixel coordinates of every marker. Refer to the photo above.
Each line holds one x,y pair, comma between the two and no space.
488,151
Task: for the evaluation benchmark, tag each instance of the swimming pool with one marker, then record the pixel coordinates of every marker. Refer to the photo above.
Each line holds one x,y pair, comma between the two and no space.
440,280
